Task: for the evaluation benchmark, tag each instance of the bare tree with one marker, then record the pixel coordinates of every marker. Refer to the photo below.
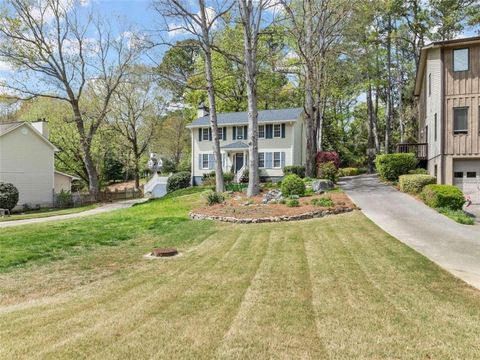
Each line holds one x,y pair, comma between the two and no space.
54,55
315,26
199,20
135,115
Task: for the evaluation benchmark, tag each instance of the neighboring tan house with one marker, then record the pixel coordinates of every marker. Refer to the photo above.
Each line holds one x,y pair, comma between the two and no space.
448,87
281,142
27,161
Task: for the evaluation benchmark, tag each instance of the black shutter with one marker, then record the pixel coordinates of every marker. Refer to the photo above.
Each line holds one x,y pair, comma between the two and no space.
245,132
200,130
269,131
283,130
210,134
224,132
234,137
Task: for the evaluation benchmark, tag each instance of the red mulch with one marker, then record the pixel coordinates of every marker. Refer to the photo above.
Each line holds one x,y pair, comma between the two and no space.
236,206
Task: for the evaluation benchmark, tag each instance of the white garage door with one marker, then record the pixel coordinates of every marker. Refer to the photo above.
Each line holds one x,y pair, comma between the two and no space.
466,176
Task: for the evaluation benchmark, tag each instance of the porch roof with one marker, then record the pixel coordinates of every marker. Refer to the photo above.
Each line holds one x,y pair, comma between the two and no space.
237,145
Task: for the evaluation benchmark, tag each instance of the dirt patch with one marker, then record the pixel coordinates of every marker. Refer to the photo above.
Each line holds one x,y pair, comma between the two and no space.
239,208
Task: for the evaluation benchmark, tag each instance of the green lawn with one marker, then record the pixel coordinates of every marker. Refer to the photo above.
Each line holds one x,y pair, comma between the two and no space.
336,287
33,214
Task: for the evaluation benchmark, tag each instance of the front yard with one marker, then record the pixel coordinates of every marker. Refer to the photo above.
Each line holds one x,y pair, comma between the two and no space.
336,287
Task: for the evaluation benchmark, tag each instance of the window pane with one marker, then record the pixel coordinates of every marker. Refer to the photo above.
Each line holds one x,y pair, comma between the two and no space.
261,160
205,134
220,133
205,161
277,130
276,159
460,60
460,119
458,174
261,131
471,174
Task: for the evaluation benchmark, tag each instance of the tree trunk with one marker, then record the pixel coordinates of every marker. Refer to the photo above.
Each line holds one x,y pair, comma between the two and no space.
219,181
389,89
371,142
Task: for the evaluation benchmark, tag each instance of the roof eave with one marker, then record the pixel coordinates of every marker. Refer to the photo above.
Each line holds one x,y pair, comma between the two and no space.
193,126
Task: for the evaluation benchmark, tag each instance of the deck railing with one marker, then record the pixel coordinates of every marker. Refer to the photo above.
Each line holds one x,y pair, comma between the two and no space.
419,149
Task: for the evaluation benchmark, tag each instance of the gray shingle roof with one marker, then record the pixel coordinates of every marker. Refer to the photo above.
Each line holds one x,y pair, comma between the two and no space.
240,118
236,145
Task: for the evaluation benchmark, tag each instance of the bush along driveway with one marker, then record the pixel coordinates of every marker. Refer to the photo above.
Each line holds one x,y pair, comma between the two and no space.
453,246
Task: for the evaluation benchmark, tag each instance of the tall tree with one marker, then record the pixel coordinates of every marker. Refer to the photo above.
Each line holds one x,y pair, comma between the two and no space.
199,20
54,56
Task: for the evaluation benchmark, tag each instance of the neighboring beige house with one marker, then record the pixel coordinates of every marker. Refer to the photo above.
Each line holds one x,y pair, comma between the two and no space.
27,161
281,142
448,88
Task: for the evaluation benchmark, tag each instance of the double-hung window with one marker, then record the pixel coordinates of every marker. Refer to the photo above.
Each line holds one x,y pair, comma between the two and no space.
205,134
461,60
261,131
277,130
205,162
277,160
220,133
261,160
460,120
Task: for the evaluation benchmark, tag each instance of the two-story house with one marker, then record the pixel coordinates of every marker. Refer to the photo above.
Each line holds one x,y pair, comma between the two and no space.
281,142
448,89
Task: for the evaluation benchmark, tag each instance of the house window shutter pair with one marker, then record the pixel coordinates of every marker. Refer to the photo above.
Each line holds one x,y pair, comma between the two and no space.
283,130
269,131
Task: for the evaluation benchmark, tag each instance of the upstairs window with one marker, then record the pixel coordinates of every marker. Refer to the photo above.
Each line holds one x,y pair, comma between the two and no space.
261,131
277,130
460,120
220,133
205,135
460,60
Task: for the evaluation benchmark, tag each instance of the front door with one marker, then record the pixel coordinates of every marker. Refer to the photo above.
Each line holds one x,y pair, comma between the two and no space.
238,161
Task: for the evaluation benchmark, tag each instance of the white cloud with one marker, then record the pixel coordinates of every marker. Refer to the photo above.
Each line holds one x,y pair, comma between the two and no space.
5,66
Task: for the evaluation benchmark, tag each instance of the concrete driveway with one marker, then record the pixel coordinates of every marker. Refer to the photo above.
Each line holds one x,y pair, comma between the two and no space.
453,246
98,210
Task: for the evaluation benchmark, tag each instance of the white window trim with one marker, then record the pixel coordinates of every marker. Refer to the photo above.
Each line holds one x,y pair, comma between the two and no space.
261,167
205,130
220,133
263,127
203,162
279,130
279,160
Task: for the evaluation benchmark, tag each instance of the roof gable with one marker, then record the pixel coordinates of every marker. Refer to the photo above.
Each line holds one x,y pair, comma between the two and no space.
10,127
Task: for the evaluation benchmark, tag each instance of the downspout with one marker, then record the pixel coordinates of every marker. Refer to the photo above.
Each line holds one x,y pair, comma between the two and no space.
193,156
443,107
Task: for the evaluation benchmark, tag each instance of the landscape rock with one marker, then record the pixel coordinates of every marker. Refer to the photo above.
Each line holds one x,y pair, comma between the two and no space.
273,195
322,185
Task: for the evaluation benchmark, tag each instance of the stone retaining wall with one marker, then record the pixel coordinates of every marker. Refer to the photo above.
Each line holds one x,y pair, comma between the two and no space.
305,216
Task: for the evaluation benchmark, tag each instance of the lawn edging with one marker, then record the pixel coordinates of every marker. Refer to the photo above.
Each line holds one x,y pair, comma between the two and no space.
305,216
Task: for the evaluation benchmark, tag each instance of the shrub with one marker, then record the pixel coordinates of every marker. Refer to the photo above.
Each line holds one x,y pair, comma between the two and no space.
391,166
418,171
8,196
327,156
209,179
308,180
293,203
178,180
457,215
350,171
235,187
63,199
323,202
294,169
415,183
244,178
328,171
292,185
443,196
213,198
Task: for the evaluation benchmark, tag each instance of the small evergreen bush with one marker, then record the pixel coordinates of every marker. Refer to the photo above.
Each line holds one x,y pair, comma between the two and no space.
294,169
349,171
443,196
178,180
328,171
391,166
292,185
63,199
213,198
323,202
293,203
8,196
415,183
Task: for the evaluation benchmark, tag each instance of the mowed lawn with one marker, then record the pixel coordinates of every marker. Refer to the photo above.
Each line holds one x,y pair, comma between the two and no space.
334,288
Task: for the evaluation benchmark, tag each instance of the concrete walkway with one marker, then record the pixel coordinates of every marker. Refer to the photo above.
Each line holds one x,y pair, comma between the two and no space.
99,210
453,246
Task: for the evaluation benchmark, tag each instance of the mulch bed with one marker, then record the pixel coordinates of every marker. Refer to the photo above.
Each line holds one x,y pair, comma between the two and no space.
236,210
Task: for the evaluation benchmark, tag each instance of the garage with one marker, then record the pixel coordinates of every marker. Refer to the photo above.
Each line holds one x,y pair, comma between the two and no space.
466,176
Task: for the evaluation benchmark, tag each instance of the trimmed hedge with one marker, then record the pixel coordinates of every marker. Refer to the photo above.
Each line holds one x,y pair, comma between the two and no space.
178,181
443,196
293,185
8,196
391,166
349,171
294,169
415,183
419,171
